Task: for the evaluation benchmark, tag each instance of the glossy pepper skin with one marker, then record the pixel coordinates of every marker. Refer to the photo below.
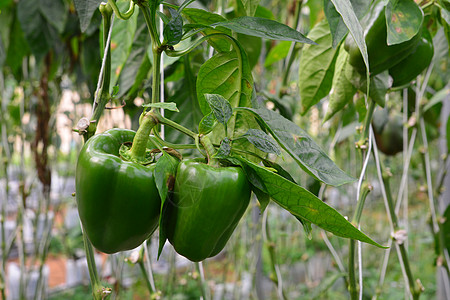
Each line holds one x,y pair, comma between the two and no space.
118,201
381,56
409,68
388,131
206,207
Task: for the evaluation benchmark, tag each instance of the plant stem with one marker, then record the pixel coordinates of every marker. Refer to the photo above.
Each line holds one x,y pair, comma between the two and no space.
149,17
390,201
158,139
351,259
293,49
149,264
196,43
210,150
21,209
415,291
359,208
275,275
123,16
140,140
174,125
156,68
5,157
368,119
362,191
352,289
398,235
427,173
202,282
102,96
98,291
146,278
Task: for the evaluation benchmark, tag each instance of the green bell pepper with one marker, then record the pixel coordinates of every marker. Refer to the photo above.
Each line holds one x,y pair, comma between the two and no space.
118,201
381,55
207,204
388,131
409,68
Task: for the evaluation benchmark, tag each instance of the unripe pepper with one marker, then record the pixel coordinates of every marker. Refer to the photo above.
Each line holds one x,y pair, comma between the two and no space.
381,56
388,131
206,207
414,64
118,201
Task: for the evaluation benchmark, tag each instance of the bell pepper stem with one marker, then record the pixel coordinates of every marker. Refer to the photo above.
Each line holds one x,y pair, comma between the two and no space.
123,16
98,291
102,95
202,282
174,125
352,287
139,147
210,150
368,119
149,20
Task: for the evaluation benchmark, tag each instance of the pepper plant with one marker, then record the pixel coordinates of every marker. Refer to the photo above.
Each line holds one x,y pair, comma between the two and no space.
199,202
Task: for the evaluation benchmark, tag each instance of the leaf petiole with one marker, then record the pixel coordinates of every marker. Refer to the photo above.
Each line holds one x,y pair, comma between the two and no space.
123,16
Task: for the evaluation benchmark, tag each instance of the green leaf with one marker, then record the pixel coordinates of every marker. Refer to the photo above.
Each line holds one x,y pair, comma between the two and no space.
115,91
445,10
307,226
17,48
90,59
225,75
164,175
437,98
279,170
337,26
164,105
85,10
283,173
262,141
163,17
122,38
55,12
315,12
277,53
404,19
220,107
263,198
263,12
207,124
173,31
342,91
379,84
250,6
300,146
224,149
183,93
184,5
303,204
40,35
136,68
252,46
264,28
316,67
344,8
199,16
